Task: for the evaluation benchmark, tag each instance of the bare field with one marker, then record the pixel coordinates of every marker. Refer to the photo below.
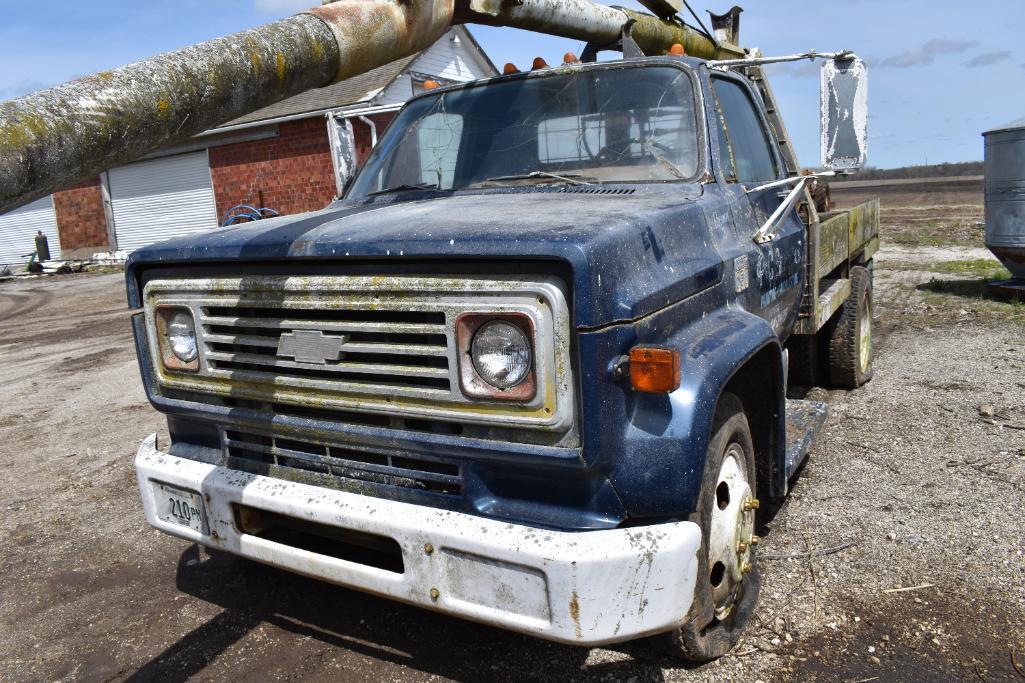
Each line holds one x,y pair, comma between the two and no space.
920,476
927,214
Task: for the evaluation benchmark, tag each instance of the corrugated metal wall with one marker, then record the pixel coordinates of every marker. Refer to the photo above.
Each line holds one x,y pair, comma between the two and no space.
163,198
18,230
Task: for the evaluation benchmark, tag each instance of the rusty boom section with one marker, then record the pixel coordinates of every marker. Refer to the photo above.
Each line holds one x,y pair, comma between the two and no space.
56,137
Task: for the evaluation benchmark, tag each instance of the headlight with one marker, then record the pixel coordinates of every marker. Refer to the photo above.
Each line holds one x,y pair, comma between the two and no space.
181,336
176,335
496,356
501,354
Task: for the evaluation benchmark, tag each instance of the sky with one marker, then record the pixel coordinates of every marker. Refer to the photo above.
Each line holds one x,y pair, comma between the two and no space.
940,71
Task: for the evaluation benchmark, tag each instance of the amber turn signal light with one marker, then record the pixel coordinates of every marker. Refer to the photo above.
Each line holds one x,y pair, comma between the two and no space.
539,63
654,370
677,50
431,85
510,68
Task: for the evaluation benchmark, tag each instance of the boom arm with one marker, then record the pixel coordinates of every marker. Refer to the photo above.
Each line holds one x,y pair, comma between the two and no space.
56,137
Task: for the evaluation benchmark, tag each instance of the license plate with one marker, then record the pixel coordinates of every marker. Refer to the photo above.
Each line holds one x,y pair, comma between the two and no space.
179,506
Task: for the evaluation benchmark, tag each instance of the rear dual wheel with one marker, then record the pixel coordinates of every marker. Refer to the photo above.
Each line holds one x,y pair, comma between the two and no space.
841,352
727,579
850,341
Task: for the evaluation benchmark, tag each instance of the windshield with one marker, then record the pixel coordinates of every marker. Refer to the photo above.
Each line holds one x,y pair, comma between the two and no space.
588,126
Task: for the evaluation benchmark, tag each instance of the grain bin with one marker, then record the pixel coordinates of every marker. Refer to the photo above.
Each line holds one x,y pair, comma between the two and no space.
1005,196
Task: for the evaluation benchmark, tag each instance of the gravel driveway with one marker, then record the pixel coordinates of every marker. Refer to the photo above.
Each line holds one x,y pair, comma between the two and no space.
898,555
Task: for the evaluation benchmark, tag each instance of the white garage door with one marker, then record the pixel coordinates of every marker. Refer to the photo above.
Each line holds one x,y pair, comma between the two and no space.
156,200
18,230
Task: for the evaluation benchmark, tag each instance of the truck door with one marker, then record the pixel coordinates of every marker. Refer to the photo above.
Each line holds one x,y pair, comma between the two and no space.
750,160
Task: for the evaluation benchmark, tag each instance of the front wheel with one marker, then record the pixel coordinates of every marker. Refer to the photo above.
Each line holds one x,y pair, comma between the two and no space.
727,579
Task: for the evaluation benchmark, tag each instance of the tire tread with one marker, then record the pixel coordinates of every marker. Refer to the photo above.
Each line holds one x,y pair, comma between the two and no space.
844,366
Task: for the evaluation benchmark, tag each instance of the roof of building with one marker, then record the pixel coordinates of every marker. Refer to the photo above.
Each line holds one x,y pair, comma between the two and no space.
344,93
1012,125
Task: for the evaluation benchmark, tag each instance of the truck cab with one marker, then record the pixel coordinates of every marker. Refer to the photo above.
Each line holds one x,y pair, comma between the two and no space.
530,370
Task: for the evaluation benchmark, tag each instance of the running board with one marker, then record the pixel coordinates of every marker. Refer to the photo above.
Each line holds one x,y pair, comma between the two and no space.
803,421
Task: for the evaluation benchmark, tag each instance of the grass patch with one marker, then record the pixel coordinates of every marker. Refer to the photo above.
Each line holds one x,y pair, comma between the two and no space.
987,269
976,295
915,240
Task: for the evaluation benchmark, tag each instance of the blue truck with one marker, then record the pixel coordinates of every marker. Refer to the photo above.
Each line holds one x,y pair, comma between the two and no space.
532,369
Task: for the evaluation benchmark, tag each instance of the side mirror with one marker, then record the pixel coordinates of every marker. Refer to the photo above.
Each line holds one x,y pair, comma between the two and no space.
844,107
343,151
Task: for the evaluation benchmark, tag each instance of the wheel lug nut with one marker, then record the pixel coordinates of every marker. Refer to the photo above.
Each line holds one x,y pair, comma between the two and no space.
746,568
754,539
741,547
752,504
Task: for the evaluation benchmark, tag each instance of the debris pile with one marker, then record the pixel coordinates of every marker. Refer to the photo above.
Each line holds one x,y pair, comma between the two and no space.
99,261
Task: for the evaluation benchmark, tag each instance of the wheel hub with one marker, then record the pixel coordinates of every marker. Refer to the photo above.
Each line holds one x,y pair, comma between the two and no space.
731,532
865,340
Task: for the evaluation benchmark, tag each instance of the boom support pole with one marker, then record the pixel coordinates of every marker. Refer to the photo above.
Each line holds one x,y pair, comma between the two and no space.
56,137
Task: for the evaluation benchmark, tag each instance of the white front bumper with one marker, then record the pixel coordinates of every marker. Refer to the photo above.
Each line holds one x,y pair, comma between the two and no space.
588,587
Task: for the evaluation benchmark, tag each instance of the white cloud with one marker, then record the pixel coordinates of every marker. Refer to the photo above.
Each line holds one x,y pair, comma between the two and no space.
988,59
927,52
283,6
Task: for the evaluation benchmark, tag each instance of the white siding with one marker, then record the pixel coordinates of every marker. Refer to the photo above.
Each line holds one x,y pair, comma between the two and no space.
455,60
156,200
18,232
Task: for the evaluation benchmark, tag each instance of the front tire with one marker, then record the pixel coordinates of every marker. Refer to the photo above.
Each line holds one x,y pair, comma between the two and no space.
727,579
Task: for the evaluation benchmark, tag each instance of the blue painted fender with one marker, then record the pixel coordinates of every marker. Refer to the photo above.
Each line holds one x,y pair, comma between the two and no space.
653,445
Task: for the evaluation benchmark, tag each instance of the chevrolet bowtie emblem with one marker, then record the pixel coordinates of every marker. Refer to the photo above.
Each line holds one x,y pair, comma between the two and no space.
311,346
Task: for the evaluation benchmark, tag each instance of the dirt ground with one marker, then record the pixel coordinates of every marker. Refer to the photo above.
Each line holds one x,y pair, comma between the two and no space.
897,557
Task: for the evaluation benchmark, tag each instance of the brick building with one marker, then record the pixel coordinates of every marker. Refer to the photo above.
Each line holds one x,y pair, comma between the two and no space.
282,157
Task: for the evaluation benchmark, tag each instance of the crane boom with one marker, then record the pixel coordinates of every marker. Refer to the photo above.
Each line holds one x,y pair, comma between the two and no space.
56,137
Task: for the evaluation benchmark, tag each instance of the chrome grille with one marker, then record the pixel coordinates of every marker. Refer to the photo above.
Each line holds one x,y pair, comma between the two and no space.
377,348
360,344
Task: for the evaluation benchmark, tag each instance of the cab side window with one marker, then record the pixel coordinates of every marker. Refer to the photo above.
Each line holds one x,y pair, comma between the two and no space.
747,152
729,168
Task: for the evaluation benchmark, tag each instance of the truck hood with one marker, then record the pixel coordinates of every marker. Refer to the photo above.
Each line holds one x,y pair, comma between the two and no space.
631,251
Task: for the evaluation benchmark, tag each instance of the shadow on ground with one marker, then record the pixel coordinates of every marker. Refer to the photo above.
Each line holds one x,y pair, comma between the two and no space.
362,625
967,289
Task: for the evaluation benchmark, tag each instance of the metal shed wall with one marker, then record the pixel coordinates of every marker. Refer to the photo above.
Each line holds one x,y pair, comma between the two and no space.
162,198
18,230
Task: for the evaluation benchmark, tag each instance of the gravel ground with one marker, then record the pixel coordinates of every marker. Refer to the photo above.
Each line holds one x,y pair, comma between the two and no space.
920,476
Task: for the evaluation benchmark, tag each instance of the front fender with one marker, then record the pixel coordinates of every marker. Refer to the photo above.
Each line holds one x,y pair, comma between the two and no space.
655,444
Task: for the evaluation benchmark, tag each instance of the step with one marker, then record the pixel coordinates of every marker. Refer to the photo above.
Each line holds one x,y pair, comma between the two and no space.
804,418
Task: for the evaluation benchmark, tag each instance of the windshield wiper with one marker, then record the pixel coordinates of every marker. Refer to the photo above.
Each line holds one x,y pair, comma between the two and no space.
572,178
405,187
